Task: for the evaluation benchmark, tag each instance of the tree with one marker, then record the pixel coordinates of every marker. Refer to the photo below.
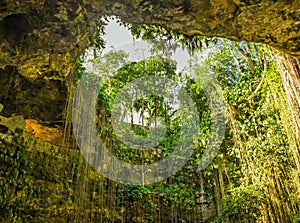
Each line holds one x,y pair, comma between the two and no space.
260,150
179,192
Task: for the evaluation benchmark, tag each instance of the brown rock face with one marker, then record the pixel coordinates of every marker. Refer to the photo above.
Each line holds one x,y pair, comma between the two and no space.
49,34
51,135
42,98
39,36
272,22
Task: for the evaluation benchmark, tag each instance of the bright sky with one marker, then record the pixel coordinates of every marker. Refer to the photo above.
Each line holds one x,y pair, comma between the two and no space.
121,39
117,35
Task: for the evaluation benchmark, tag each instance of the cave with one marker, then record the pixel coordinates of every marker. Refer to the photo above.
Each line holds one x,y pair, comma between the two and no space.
45,176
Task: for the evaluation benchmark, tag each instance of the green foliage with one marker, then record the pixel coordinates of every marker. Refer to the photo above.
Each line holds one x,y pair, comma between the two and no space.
106,65
244,199
14,166
242,181
96,39
176,192
256,144
152,105
157,34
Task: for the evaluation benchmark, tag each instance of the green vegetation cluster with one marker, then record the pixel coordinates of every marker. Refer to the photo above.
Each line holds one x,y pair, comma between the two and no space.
257,176
254,178
180,193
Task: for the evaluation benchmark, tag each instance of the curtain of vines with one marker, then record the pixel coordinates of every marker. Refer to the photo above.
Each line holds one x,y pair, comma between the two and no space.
257,179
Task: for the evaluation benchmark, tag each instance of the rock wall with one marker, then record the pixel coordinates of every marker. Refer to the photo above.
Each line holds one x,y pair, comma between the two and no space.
38,36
